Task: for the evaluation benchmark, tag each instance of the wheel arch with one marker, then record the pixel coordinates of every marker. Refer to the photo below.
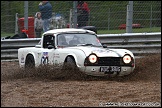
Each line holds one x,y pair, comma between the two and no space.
72,56
32,55
78,58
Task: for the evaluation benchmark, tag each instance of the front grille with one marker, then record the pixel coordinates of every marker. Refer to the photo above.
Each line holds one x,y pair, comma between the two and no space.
109,61
105,61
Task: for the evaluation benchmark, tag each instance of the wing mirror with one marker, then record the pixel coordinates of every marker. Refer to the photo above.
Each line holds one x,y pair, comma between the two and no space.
104,46
38,46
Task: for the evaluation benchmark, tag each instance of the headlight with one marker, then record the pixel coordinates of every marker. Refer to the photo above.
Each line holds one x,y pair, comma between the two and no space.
127,59
92,58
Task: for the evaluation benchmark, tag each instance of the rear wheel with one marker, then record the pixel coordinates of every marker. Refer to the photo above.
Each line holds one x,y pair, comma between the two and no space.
29,62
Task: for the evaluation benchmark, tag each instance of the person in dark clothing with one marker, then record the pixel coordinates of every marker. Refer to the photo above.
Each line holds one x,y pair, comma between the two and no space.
46,13
83,13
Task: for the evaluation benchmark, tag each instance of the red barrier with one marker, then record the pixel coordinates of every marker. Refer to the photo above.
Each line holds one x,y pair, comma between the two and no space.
30,30
123,26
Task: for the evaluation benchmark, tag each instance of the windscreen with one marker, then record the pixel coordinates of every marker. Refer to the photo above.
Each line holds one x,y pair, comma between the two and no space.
76,39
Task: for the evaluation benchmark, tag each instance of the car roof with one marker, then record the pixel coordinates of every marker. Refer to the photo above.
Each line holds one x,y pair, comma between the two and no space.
68,30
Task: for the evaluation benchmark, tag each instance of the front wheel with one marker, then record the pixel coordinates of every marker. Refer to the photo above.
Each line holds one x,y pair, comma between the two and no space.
71,70
70,64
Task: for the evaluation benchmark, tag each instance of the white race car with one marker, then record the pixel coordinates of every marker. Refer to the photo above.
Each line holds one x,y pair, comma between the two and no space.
79,48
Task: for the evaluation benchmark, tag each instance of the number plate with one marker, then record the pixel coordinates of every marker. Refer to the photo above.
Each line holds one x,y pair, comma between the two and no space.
110,69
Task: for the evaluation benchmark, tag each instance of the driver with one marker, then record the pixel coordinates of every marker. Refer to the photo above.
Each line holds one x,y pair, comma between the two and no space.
62,40
74,41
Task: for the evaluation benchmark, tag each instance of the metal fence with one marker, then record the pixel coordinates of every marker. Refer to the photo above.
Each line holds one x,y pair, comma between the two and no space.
105,15
141,44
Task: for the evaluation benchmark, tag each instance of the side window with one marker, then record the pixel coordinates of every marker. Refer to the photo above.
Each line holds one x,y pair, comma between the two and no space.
39,43
48,40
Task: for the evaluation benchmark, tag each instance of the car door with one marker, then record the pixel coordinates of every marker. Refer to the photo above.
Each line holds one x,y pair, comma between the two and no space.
48,50
60,51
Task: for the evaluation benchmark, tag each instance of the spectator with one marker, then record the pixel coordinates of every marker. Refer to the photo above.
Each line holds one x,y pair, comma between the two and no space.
46,12
38,25
83,13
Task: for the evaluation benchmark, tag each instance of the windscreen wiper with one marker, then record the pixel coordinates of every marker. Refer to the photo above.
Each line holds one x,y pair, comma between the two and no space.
87,45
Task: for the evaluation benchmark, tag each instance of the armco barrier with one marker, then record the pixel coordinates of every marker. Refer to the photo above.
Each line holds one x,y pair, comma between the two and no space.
140,44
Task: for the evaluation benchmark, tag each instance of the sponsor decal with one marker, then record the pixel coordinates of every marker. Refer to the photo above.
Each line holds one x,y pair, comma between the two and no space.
56,56
56,62
45,53
39,54
44,59
100,51
22,58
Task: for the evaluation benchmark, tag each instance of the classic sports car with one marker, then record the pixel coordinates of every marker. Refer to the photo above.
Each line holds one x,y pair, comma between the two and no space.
79,48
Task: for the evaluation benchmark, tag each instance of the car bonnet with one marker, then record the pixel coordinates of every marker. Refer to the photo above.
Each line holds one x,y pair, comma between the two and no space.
103,52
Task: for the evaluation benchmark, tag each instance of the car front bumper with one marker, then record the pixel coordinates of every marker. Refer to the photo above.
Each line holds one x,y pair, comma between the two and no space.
95,71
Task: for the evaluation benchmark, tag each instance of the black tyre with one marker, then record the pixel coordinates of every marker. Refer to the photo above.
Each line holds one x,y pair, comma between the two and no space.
29,63
70,64
71,70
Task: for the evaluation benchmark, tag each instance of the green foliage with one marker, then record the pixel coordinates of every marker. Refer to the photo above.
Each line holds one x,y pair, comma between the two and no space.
135,30
103,14
117,31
